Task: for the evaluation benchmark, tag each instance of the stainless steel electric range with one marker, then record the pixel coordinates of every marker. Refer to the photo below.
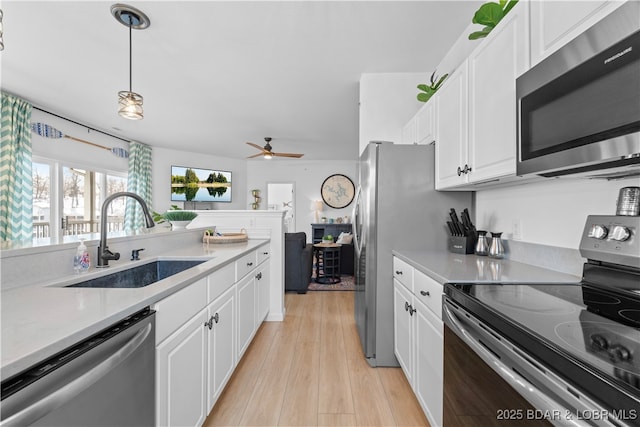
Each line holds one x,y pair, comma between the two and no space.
572,351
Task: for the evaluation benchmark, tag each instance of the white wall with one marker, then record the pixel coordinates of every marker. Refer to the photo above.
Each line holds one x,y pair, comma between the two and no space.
387,102
551,212
164,158
307,177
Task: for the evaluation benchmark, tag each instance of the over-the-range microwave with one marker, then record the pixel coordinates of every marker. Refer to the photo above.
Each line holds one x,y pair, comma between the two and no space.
579,108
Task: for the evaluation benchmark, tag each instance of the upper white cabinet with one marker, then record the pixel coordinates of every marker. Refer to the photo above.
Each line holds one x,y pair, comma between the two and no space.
421,128
452,109
493,69
555,23
476,108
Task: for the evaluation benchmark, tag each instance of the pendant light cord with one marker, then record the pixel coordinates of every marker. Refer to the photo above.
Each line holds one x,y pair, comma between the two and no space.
130,57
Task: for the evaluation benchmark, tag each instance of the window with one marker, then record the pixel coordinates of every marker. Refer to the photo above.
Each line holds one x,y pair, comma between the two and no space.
74,199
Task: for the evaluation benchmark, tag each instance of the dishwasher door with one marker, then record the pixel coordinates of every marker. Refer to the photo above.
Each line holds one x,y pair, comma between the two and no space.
105,380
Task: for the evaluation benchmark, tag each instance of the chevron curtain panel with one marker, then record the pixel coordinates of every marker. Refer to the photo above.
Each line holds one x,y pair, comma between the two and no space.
139,182
16,194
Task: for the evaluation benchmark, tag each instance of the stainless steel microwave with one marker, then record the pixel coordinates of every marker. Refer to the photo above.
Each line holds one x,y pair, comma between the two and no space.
579,108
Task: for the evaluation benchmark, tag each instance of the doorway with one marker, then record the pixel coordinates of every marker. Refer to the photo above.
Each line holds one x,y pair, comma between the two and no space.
281,197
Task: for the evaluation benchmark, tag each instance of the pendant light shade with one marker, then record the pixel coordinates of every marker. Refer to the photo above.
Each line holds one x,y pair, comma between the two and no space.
130,105
129,102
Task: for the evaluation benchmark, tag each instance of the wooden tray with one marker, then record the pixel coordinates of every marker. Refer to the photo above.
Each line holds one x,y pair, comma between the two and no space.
225,237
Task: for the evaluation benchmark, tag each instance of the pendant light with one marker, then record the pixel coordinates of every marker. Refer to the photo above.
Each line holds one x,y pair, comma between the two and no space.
129,102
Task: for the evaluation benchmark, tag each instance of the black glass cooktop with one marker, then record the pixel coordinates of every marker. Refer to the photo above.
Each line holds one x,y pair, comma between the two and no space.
588,333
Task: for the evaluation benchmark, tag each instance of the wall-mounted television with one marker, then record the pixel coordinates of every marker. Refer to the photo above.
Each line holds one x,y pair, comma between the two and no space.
200,185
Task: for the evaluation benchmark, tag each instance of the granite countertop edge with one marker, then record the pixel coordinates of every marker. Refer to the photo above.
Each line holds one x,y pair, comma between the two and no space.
41,320
447,267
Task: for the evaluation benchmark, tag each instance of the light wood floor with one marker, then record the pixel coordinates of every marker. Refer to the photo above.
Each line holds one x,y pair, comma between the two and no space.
309,371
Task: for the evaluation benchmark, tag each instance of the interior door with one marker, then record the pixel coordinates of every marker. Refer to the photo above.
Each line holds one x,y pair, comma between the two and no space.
281,196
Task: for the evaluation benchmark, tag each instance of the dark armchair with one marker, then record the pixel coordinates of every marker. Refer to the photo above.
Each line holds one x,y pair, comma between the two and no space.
298,262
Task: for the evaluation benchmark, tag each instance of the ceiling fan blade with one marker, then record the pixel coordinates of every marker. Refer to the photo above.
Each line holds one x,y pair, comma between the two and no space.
288,155
256,146
255,155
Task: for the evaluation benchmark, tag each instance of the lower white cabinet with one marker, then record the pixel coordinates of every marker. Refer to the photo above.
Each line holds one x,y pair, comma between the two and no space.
221,344
203,331
181,364
246,313
418,341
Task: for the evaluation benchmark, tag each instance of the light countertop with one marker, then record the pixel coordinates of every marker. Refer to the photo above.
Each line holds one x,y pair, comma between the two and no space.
40,320
446,267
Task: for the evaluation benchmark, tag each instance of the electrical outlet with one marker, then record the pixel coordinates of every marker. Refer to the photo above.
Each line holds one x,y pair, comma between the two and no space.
516,230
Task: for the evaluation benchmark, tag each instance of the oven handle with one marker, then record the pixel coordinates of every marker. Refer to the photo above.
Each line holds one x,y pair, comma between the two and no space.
42,407
537,398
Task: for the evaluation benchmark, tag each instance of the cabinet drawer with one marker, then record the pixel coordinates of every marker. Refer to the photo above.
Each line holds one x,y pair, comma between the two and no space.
429,292
245,265
403,272
220,281
175,310
263,253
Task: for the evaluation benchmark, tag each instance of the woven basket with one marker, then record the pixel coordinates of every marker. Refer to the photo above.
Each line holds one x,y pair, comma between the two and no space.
225,237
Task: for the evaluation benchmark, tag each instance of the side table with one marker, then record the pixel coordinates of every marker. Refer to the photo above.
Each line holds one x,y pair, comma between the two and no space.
327,263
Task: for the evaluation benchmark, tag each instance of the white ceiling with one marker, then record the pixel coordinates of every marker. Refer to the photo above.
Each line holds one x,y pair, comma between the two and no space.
215,74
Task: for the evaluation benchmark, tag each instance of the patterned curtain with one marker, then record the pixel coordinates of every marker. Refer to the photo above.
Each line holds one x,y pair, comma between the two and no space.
16,194
139,182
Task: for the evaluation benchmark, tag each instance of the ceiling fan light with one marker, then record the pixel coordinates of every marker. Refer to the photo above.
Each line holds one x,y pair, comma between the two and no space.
130,105
268,156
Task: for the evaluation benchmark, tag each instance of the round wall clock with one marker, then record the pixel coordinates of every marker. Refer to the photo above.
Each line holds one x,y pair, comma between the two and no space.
338,191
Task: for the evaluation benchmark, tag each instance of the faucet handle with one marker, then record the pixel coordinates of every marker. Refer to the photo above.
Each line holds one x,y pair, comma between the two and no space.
135,254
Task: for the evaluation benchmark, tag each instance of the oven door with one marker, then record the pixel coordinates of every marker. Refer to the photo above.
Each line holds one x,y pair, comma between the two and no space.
489,381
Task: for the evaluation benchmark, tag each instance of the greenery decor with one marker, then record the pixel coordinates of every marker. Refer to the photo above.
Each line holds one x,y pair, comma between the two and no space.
489,14
429,91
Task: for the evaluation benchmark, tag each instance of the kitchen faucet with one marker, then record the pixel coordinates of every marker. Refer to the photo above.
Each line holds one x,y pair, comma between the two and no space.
104,254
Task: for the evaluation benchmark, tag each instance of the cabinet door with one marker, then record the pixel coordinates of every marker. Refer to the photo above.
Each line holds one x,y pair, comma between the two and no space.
555,23
181,372
408,135
428,372
452,129
402,328
246,313
425,123
222,353
262,293
493,68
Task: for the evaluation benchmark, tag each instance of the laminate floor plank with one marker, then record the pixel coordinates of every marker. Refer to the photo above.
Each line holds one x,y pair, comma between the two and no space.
309,370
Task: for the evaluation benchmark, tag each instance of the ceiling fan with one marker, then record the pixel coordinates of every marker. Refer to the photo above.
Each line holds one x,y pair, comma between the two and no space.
267,153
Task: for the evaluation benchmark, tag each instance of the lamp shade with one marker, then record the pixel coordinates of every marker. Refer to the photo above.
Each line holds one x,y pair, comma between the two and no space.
130,105
317,205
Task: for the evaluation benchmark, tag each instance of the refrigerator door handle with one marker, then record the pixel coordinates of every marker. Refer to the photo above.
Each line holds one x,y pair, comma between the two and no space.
357,240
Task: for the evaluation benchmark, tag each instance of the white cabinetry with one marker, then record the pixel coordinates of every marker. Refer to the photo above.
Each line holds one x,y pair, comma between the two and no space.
476,108
452,109
421,128
202,331
221,344
555,23
418,341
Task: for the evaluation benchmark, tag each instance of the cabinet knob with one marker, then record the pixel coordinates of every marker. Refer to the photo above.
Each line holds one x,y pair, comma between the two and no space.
209,323
265,253
249,264
406,306
466,169
399,273
411,310
459,171
259,276
425,293
216,318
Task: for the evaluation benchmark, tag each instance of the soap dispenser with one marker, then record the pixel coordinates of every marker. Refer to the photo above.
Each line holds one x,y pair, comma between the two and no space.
81,260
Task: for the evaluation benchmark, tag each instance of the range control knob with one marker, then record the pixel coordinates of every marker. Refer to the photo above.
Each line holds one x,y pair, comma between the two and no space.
620,233
618,353
598,231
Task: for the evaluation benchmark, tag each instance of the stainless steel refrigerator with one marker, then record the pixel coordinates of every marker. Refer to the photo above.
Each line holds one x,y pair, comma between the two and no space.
396,207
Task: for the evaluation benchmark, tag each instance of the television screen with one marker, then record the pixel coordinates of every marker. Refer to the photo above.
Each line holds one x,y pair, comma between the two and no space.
200,185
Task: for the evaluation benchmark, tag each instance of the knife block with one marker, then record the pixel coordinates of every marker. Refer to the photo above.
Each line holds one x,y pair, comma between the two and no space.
462,244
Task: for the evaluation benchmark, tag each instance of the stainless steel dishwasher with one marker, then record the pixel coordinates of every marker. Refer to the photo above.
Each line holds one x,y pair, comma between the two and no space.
106,380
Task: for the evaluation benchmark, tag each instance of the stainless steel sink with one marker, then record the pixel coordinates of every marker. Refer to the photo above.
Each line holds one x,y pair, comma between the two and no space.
140,276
